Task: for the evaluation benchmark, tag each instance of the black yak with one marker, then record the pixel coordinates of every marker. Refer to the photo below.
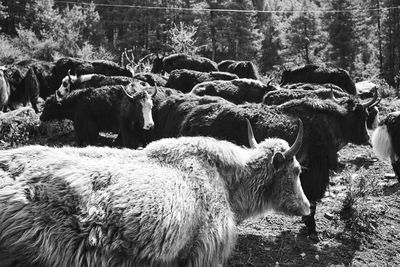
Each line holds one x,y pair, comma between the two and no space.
328,127
72,82
224,64
152,79
237,91
184,80
92,110
80,66
175,203
244,69
183,61
135,117
281,96
386,141
320,75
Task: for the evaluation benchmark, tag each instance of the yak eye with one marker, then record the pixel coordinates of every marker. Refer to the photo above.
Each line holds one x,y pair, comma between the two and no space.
65,84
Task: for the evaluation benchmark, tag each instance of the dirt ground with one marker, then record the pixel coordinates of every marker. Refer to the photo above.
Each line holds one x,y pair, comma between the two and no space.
358,220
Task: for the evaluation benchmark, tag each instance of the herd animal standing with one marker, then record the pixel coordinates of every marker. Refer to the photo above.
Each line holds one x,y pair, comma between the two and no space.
140,114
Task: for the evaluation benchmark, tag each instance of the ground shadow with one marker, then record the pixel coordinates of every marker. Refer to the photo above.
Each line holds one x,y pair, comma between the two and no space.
291,249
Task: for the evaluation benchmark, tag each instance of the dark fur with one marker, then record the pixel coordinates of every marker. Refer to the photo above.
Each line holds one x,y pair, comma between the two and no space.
244,69
131,133
183,61
79,67
278,97
320,75
184,80
92,110
237,91
151,78
39,82
328,127
224,64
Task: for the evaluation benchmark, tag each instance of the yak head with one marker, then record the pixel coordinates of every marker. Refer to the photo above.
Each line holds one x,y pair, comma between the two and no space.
52,109
141,105
283,191
158,64
68,82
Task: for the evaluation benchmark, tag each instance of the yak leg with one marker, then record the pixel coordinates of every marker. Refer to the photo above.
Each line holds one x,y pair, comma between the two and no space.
309,221
396,168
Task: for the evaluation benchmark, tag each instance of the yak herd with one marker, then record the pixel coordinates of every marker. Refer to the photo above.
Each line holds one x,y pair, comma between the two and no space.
219,145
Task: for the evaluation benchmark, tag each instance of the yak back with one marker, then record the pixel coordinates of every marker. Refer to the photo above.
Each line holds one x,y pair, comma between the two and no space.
320,75
183,61
224,64
100,105
244,69
169,114
278,97
184,80
237,91
151,78
80,66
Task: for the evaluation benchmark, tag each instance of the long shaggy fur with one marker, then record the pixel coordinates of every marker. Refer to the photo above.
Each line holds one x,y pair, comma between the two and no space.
238,91
183,61
92,110
184,80
382,142
176,203
320,75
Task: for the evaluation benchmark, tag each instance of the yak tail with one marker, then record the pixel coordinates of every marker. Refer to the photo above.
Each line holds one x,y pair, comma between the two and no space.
382,143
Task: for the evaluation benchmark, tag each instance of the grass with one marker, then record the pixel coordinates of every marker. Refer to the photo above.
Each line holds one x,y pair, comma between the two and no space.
359,214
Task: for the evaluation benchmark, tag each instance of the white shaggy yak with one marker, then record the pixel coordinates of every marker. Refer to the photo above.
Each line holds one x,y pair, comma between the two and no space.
386,140
174,203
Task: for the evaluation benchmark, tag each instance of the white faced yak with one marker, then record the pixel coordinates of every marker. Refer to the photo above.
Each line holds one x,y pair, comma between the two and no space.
319,75
175,203
183,61
238,91
184,80
386,140
96,109
328,126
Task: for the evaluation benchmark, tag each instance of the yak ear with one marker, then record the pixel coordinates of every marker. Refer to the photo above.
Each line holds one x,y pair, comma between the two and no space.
278,160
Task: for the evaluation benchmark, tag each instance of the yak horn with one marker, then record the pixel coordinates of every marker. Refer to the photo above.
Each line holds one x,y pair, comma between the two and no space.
376,103
294,149
250,135
126,93
332,95
155,90
373,100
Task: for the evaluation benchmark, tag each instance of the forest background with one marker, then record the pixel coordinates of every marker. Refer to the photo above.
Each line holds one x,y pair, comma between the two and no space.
361,36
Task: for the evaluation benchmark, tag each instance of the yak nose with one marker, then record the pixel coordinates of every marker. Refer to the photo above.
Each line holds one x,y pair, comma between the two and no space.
149,126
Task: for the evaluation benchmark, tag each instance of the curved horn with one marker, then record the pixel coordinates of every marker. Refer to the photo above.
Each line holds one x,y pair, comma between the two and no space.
294,149
250,135
372,101
155,91
126,93
69,74
376,103
332,95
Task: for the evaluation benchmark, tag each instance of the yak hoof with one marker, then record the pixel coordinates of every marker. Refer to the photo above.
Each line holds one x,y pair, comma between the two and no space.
314,237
